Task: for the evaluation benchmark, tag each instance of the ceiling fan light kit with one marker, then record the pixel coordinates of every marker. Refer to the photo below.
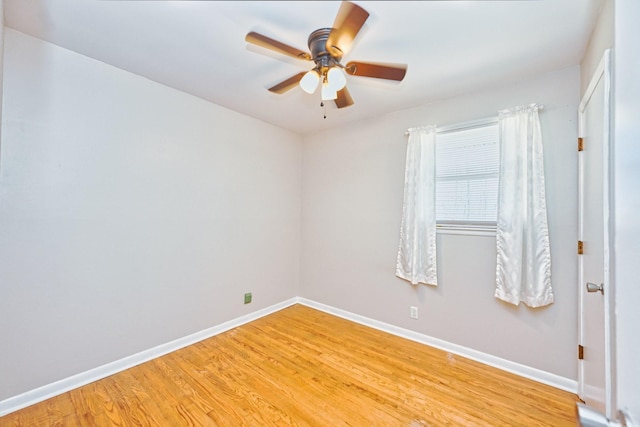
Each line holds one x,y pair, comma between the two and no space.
310,81
327,94
327,46
336,79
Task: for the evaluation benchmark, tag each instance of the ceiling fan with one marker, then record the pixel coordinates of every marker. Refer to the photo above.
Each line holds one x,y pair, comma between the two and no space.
327,47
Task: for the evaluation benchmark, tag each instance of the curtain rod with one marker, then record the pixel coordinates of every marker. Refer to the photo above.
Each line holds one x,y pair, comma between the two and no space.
469,124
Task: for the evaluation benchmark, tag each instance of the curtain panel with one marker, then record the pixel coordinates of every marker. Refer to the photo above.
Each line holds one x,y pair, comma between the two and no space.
523,268
416,260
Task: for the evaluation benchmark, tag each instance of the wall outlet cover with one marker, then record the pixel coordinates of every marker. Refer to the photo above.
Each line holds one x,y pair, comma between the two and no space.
247,298
414,312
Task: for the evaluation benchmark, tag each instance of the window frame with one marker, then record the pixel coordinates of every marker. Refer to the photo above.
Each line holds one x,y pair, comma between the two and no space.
478,228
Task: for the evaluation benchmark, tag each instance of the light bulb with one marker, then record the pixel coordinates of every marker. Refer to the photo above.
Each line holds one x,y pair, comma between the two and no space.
309,81
327,93
336,79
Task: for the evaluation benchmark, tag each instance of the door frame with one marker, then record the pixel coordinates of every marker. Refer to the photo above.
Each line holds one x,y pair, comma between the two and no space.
603,72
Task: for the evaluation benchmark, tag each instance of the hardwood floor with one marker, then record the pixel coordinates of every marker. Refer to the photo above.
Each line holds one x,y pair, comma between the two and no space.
302,367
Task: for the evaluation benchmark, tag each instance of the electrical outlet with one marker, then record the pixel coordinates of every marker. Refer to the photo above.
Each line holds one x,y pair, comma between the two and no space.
414,312
247,298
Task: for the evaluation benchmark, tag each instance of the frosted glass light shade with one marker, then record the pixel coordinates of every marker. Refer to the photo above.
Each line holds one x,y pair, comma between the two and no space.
336,79
327,93
309,81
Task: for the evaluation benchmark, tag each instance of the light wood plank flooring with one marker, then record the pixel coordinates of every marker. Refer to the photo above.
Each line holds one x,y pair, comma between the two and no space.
302,367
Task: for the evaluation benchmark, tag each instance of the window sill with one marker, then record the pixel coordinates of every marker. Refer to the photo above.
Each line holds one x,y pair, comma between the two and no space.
467,230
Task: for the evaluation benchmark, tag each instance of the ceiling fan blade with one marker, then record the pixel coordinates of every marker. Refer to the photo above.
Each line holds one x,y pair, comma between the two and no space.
346,26
378,71
287,84
344,98
269,43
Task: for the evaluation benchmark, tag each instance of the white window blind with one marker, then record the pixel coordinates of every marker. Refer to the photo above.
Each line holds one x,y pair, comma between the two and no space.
467,163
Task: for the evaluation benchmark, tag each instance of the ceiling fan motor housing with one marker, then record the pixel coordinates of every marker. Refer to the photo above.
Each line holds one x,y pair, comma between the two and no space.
318,46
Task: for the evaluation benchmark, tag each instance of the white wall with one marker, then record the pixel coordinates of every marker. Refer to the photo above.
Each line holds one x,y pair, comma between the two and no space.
352,188
601,39
626,153
131,214
1,57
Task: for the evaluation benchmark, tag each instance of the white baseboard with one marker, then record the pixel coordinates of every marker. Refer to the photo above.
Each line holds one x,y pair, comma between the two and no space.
534,374
45,392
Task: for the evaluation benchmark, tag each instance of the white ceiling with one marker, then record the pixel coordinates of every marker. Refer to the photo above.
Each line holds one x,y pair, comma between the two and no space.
450,47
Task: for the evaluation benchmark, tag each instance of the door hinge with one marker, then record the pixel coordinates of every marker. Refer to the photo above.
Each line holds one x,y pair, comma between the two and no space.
580,144
580,247
580,352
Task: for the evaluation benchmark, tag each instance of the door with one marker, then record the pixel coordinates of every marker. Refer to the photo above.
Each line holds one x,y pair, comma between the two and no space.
594,375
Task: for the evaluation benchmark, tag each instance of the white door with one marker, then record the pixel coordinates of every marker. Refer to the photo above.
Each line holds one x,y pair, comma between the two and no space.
594,369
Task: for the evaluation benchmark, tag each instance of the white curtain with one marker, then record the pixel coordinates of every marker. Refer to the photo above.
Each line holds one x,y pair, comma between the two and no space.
523,270
417,252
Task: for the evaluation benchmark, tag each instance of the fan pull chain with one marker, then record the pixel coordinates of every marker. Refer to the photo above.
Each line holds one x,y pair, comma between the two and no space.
324,109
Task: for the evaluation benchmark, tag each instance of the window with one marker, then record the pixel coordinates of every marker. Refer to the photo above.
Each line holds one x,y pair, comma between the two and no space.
467,161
